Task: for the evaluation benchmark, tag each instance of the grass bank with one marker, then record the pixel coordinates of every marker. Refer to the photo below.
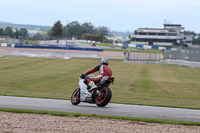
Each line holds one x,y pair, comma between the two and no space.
141,84
66,114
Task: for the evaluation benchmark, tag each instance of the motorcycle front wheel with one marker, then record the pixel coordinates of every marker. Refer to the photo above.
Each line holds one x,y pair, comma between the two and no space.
104,98
75,99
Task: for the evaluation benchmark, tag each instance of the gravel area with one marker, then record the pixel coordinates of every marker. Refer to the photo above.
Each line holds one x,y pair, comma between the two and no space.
35,123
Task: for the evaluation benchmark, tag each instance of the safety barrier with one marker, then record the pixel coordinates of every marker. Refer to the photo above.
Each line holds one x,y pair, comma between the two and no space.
6,45
63,42
57,47
188,54
139,46
143,56
151,47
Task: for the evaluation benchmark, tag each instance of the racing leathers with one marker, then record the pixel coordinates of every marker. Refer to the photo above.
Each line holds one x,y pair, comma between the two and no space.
103,69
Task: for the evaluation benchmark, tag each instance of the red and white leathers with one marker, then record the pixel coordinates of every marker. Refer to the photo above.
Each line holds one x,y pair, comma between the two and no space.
103,69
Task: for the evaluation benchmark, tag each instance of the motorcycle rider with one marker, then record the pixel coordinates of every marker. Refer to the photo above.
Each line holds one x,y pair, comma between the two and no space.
104,71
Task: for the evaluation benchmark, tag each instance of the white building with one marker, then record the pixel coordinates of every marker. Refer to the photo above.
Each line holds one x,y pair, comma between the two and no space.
170,35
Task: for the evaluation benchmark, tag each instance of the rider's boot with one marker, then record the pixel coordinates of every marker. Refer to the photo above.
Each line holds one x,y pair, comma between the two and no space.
92,85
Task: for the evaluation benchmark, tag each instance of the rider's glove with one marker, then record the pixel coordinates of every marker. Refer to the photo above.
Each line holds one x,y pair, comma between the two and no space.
83,76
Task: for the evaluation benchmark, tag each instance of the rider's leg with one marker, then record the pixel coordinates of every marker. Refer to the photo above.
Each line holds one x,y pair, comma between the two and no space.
83,90
94,79
92,85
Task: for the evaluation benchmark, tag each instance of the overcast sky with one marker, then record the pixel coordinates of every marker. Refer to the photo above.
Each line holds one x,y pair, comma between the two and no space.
118,15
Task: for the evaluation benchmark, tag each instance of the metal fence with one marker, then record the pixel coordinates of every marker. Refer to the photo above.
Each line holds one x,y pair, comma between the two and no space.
189,54
143,56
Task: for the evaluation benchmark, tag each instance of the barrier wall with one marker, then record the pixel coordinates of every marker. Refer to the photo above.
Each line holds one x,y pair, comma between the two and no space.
80,48
63,42
142,46
6,45
57,47
143,56
49,47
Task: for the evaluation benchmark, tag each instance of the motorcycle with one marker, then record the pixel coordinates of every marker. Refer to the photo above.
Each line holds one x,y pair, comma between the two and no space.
101,95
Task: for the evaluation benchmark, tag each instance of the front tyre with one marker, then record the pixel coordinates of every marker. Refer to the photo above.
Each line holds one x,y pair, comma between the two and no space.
104,98
75,99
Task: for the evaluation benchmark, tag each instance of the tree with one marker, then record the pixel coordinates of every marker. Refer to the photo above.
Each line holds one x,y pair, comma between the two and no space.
89,28
1,32
16,33
73,29
8,31
102,32
23,32
87,36
76,29
57,30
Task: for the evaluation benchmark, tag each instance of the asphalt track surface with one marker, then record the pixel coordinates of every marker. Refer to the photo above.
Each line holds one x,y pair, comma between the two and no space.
111,109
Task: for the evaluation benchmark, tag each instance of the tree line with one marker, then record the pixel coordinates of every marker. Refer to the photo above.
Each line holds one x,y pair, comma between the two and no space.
13,33
85,31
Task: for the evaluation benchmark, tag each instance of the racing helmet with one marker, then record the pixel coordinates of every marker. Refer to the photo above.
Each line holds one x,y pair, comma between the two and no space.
104,61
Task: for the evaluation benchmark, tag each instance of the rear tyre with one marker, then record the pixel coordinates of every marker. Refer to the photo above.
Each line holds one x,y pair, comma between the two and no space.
104,98
75,99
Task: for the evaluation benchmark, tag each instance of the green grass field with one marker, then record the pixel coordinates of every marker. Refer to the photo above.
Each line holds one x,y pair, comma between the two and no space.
143,84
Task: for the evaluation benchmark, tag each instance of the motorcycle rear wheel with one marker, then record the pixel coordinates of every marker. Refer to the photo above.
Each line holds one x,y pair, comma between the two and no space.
75,99
104,99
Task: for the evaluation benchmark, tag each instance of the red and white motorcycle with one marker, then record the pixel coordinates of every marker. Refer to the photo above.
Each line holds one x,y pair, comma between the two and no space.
101,95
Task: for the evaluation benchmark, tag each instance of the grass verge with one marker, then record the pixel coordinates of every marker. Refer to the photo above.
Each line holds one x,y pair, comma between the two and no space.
139,84
68,114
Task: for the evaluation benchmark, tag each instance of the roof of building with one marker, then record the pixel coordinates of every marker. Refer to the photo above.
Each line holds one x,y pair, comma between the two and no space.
162,29
172,24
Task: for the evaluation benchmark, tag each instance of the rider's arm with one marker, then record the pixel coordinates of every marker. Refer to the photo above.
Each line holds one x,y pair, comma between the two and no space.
93,70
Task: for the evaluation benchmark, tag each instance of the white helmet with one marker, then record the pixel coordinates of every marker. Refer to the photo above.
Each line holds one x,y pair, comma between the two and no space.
104,61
